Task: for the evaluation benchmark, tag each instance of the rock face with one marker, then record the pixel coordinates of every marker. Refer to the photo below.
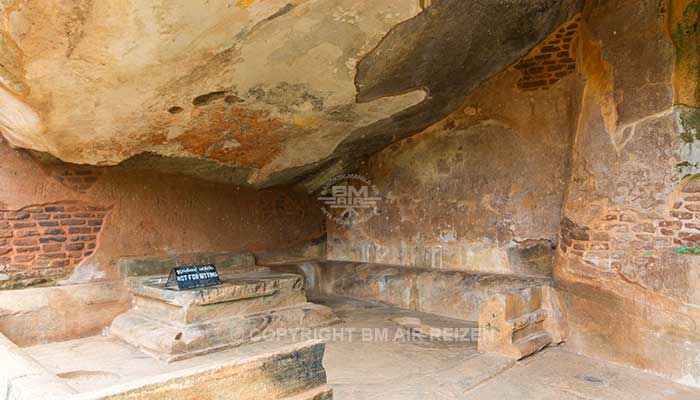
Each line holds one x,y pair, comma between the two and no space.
482,189
258,92
627,260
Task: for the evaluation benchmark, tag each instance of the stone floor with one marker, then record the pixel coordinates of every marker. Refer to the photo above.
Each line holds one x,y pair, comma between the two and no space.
370,357
414,369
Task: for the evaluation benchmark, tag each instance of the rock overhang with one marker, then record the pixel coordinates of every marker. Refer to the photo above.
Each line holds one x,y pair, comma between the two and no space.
249,92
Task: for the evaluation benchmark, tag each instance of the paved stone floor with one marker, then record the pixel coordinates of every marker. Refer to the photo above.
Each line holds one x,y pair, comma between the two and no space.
370,357
408,370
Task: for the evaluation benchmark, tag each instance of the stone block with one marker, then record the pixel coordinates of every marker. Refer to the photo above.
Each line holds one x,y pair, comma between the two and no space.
521,323
172,325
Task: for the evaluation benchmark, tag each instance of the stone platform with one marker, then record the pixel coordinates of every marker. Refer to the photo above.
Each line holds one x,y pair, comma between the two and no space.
172,325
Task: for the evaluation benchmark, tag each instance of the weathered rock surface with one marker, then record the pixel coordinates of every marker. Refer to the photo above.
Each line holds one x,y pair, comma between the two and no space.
248,91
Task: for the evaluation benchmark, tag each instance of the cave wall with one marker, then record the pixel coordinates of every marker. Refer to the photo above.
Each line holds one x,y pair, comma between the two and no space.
627,262
63,228
482,189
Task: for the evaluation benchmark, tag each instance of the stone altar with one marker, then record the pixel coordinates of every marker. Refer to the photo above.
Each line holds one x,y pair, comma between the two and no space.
172,325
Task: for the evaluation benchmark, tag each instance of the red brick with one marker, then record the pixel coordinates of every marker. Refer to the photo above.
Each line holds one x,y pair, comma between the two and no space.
75,246
83,215
83,238
645,227
23,258
26,233
603,236
31,241
51,247
671,224
600,246
14,216
618,228
667,232
681,215
73,222
52,239
27,249
52,255
692,207
693,237
580,246
628,218
59,263
690,225
644,237
662,241
693,186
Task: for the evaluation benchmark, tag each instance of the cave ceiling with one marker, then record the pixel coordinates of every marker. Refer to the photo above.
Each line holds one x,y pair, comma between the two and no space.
260,93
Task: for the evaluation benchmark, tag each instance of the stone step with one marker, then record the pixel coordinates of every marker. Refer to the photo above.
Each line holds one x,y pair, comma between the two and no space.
528,319
522,322
171,342
533,343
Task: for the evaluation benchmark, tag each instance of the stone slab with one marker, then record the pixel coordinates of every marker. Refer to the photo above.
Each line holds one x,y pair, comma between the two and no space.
105,368
453,294
232,288
171,341
22,378
62,312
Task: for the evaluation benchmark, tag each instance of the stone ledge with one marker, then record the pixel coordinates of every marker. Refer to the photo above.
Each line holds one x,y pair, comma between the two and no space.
22,378
450,293
293,372
62,312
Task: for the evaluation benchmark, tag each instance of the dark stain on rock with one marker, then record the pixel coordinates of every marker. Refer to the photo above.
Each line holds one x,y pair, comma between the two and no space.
288,97
533,256
208,98
447,50
195,167
175,110
455,45
232,99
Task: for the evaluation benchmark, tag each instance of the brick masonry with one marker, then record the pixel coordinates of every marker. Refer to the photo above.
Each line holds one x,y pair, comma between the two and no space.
552,60
76,177
40,245
633,236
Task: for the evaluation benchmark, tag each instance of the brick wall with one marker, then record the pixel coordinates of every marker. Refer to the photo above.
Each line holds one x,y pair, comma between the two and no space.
76,177
552,60
633,236
40,245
